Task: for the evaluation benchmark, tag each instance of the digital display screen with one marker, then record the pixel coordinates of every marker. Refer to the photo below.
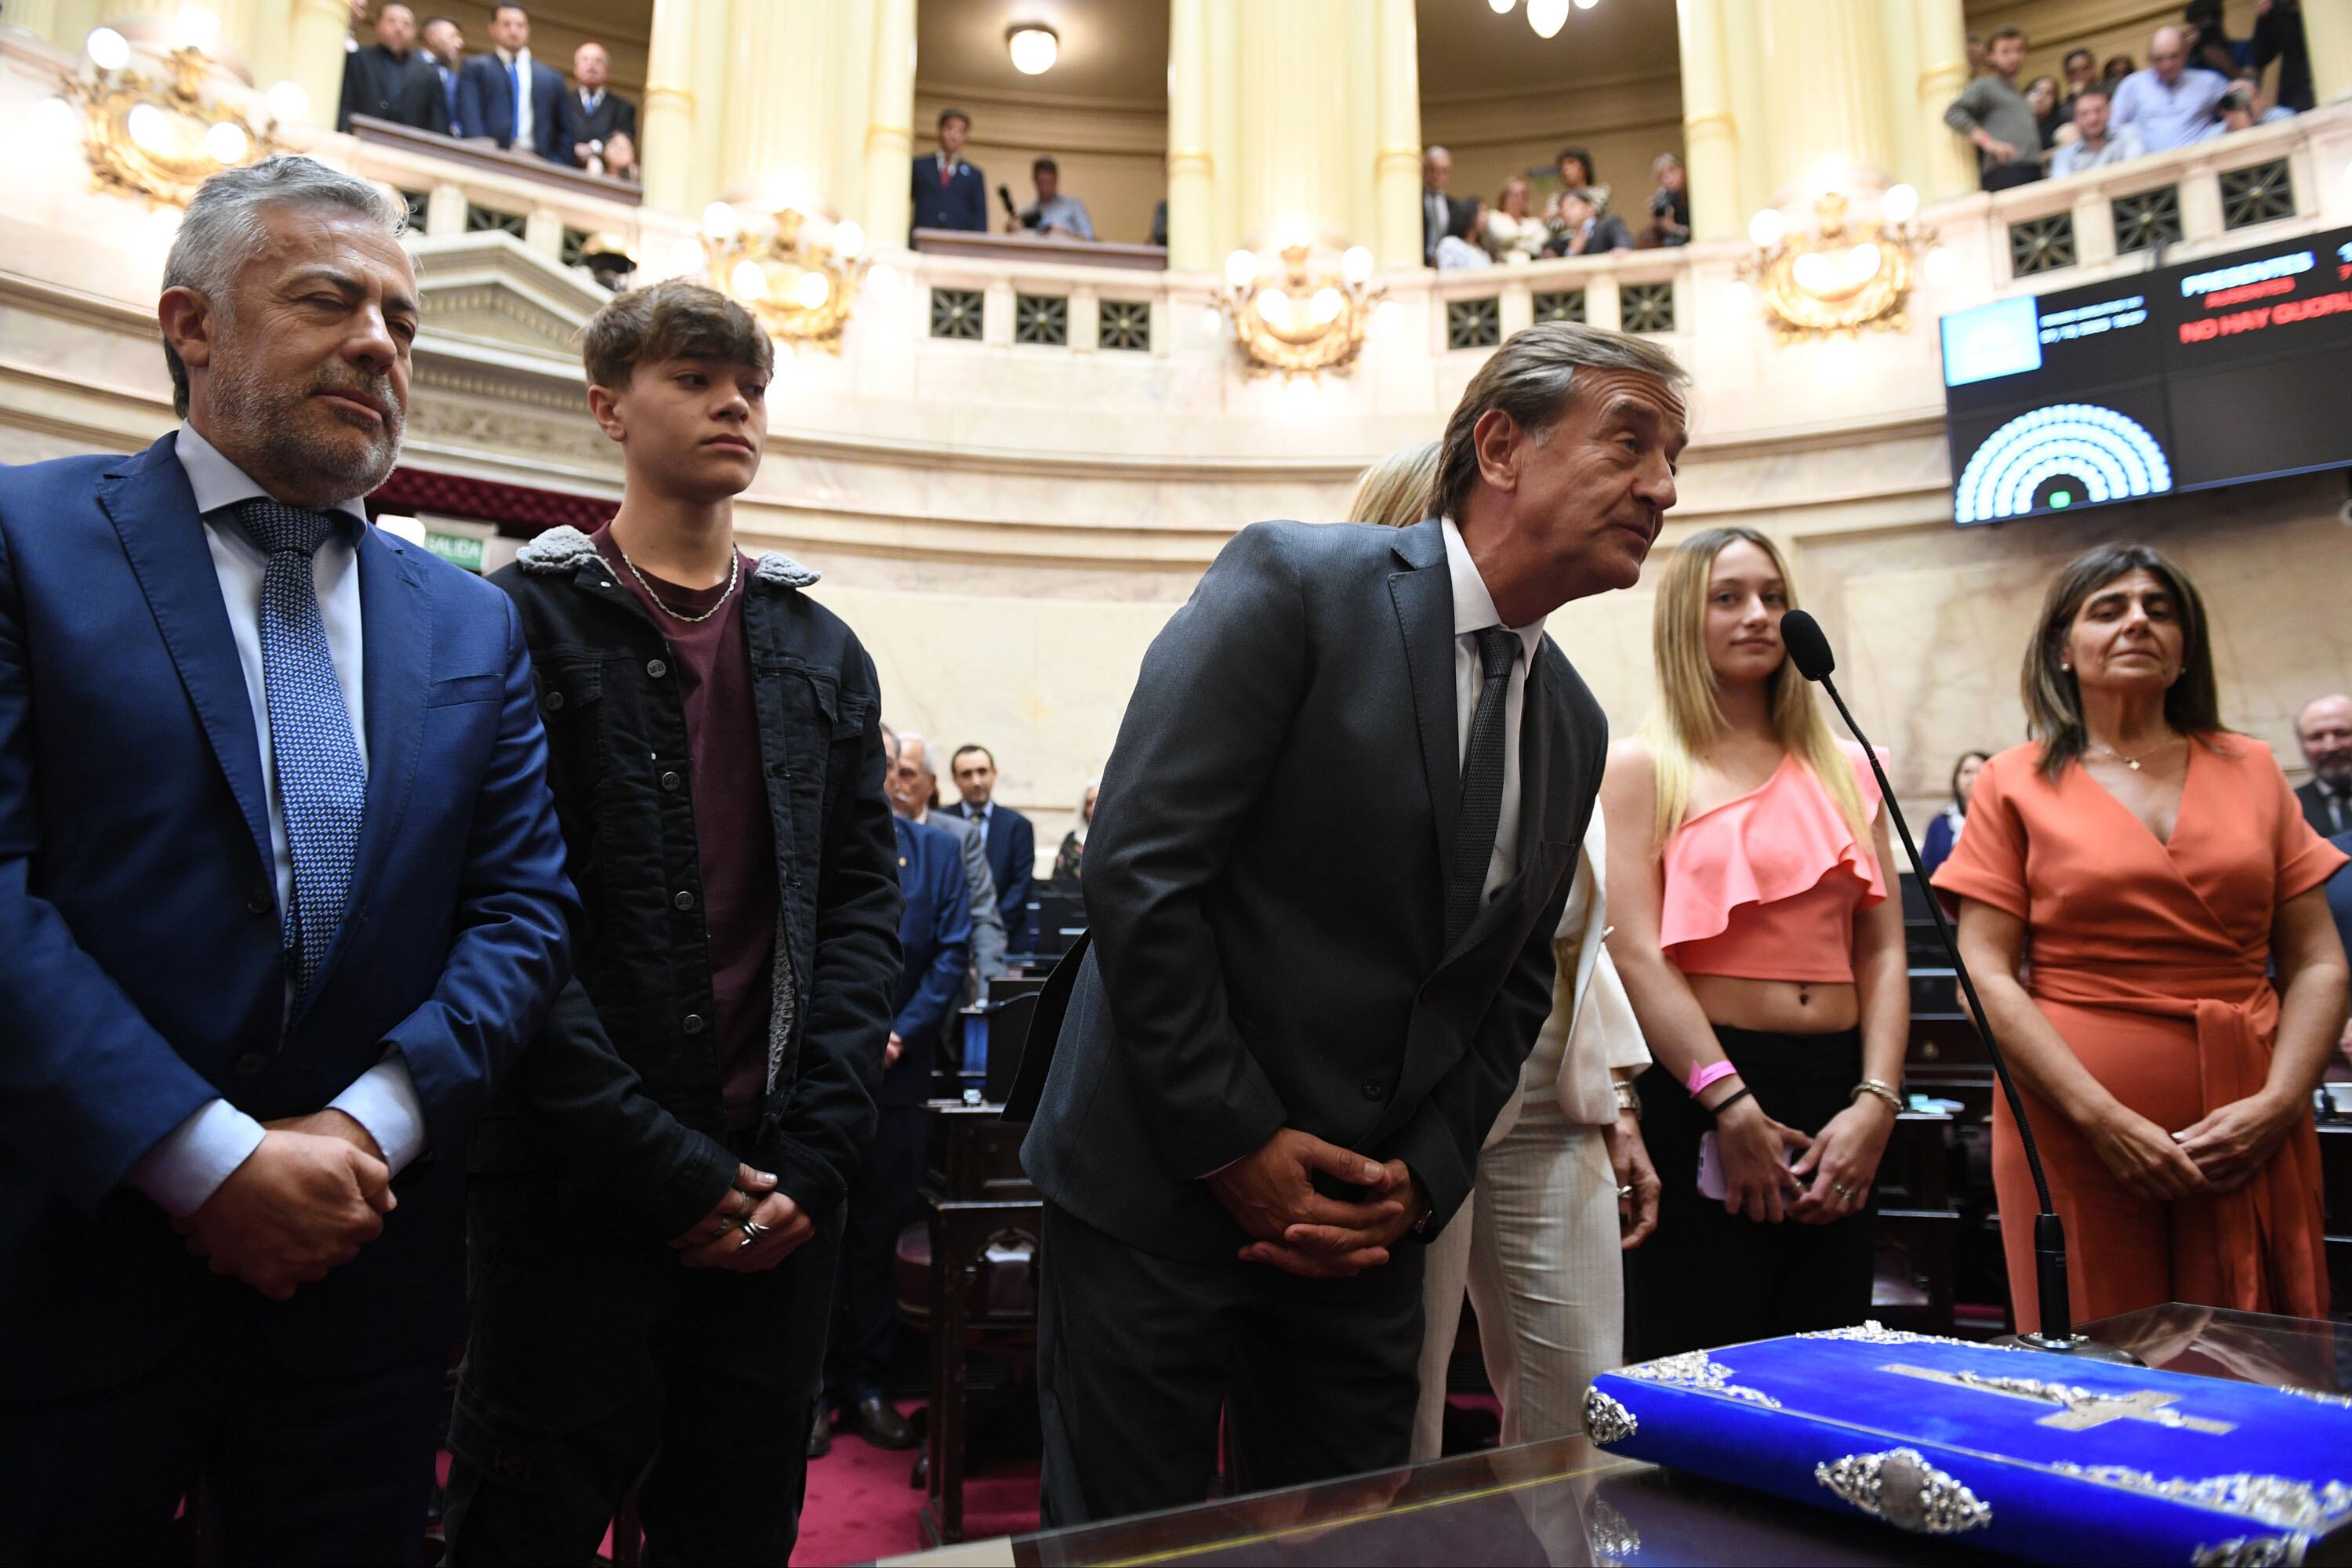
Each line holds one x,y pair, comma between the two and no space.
2223,368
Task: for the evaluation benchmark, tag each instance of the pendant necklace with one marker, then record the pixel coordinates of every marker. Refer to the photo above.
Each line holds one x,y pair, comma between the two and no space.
2133,763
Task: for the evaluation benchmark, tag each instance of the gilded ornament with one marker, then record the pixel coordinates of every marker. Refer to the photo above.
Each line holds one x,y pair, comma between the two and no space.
1306,317
1843,276
1902,1487
162,140
799,279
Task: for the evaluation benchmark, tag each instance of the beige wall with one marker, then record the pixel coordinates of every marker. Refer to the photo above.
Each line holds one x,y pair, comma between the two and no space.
1624,125
1109,152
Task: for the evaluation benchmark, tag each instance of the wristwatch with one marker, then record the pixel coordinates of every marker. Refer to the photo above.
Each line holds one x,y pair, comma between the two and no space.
1629,1098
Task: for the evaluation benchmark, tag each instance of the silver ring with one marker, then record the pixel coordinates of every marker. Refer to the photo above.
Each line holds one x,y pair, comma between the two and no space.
1841,1190
1624,1192
752,1231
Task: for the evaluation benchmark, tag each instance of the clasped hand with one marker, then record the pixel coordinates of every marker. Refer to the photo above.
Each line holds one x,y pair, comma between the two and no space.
312,1193
752,1228
1270,1193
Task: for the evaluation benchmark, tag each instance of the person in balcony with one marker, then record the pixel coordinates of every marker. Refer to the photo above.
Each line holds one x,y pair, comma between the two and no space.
1053,213
1586,229
1464,242
1669,204
507,95
1512,235
390,79
2172,102
948,192
445,50
2242,107
2098,141
589,116
1991,113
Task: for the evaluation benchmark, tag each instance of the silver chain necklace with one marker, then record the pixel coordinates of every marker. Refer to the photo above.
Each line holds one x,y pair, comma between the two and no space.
734,575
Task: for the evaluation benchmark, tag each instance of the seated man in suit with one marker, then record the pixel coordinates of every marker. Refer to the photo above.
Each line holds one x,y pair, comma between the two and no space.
590,114
391,79
935,937
949,193
2324,730
1012,840
507,95
1296,1025
281,898
657,1205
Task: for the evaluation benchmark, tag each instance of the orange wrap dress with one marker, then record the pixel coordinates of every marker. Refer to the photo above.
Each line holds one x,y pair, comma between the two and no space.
2150,960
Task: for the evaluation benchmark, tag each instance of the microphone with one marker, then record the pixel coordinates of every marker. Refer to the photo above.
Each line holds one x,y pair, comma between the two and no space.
1808,650
1004,194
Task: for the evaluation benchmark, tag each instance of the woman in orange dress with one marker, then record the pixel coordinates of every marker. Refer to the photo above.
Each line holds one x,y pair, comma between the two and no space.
2127,879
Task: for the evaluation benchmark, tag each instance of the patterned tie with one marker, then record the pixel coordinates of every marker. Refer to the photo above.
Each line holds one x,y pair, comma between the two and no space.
1481,811
321,785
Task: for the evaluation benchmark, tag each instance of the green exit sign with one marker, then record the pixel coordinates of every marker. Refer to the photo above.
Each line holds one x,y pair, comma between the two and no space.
457,548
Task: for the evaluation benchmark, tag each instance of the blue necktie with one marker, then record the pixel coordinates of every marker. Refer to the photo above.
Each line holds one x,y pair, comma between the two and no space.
449,92
514,73
321,785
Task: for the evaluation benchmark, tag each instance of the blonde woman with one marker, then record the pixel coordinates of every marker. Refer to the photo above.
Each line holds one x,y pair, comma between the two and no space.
1748,874
1395,491
1563,1183
1513,235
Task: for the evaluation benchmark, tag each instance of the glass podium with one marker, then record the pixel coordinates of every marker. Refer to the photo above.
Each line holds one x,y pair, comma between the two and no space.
1564,1501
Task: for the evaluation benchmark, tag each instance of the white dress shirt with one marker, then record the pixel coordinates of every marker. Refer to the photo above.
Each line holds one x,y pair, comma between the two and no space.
518,66
190,1161
1473,611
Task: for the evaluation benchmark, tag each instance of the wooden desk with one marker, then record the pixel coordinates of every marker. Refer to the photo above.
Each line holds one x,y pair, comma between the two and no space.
976,1194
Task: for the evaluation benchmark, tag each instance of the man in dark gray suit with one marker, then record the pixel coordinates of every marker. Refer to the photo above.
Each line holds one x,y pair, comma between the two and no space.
1296,1027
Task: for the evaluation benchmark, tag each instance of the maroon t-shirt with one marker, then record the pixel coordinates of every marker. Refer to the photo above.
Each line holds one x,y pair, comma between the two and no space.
734,835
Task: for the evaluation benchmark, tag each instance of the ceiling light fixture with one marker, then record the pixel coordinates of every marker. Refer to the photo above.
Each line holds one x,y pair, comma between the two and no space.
1547,16
1035,46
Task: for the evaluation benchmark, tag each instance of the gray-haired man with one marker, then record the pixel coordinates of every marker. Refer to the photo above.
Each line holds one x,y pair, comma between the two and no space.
1296,1027
281,891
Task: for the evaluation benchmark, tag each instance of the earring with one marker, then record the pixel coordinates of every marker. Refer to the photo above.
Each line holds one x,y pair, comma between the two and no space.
2068,669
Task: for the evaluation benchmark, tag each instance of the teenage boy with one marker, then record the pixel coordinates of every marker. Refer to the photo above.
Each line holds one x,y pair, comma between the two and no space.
656,1214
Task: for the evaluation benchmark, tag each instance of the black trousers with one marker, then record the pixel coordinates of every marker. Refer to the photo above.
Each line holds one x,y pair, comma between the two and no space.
1707,1278
1139,1355
597,1363
296,1469
884,1198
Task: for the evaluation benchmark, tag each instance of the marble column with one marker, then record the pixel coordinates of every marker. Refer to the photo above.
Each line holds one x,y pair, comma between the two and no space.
890,124
314,53
666,123
39,17
2327,29
1947,165
1295,146
1823,70
1396,222
1191,167
1710,134
783,83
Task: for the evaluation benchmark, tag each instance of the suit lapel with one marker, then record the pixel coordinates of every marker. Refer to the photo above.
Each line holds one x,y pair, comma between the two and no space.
1423,596
155,513
396,623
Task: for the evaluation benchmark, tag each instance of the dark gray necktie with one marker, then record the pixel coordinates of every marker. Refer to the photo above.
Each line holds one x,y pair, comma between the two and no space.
1481,810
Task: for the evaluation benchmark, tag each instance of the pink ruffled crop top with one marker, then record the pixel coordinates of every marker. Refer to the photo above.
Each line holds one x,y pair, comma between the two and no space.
1765,887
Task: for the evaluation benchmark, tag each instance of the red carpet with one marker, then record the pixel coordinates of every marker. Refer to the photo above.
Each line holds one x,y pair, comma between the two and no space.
860,1506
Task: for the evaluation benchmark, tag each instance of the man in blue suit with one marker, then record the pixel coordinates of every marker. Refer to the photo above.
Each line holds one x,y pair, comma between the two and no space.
949,193
935,934
1012,840
281,894
510,97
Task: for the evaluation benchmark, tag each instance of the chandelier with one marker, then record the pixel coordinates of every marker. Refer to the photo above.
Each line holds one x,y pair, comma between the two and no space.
161,138
1303,313
1546,17
795,269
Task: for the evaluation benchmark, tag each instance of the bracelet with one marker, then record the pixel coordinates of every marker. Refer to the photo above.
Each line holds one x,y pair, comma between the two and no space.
1701,1076
1629,1098
1728,1101
1877,1087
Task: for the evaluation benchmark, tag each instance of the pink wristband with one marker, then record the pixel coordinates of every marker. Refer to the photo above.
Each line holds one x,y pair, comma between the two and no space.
1701,1076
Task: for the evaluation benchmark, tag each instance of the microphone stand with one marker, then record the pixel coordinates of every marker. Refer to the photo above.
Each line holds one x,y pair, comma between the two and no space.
2056,1333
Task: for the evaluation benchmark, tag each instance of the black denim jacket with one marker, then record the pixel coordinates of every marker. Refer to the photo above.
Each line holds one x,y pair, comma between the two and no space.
621,1093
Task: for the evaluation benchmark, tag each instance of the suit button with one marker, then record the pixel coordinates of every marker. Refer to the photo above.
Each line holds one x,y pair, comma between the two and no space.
1375,1091
691,1022
554,701
683,899
250,1063
656,668
669,781
257,902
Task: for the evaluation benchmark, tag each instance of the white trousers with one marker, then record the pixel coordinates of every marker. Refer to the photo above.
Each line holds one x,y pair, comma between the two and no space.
1536,1246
